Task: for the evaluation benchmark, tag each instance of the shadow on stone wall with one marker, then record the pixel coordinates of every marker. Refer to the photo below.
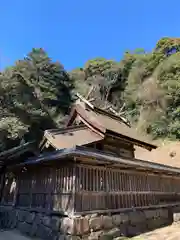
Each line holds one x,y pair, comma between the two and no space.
92,227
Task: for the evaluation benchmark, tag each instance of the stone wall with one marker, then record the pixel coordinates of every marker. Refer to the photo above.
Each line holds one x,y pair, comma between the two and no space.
90,227
176,214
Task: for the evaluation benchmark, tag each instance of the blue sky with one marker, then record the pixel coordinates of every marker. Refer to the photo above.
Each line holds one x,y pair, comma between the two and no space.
74,31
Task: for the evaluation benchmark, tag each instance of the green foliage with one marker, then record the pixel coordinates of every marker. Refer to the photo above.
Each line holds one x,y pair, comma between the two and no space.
166,43
97,66
148,84
152,91
37,93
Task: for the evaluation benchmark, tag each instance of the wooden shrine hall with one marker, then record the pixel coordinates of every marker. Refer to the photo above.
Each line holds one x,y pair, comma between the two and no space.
89,166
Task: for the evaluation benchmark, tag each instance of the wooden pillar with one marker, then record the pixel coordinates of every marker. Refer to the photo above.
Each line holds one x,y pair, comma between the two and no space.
107,180
2,174
74,182
15,198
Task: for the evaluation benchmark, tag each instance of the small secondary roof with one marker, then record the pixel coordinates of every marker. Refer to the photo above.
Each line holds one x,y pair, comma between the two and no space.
106,122
71,136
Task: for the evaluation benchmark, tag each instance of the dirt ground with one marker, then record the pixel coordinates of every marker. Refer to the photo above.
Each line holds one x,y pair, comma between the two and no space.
12,235
167,233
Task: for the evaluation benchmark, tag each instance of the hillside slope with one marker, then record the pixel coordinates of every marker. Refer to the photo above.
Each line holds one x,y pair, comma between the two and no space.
167,153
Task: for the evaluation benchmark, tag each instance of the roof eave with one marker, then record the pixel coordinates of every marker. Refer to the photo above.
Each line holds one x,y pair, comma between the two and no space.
137,142
91,153
13,151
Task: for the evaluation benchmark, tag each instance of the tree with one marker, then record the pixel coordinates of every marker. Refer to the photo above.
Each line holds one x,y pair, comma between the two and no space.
37,93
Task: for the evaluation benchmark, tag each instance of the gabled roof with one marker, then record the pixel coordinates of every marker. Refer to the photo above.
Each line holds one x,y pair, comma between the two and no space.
106,123
71,136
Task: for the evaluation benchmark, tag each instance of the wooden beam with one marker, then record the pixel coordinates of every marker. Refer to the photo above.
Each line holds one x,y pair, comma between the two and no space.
84,100
129,209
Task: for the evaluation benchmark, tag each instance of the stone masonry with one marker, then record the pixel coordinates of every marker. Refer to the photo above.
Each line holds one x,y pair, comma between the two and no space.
90,227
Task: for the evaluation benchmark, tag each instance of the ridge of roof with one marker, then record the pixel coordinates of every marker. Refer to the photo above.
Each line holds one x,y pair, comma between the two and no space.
109,114
82,100
105,122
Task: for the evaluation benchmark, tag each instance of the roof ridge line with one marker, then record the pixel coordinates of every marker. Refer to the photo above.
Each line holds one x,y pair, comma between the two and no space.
116,117
65,128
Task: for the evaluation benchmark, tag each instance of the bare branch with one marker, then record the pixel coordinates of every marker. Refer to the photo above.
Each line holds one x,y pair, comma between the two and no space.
123,106
84,100
90,91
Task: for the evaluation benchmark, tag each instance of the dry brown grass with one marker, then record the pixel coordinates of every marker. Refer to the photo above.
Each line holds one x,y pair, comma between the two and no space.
167,153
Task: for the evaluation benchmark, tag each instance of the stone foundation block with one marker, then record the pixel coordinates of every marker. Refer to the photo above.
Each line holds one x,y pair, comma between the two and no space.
55,223
136,217
120,218
67,226
160,213
107,222
10,219
133,230
124,228
164,213
90,227
24,227
34,229
105,236
44,232
81,226
72,238
46,221
61,237
30,217
176,209
22,215
95,235
121,238
149,214
38,219
155,223
96,223
176,217
116,219
115,232
40,231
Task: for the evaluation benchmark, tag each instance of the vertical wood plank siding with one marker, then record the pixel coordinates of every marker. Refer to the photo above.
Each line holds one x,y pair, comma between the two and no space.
117,189
119,147
84,188
48,188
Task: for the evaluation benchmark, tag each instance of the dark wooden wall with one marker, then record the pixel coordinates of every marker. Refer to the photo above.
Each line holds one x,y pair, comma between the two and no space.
49,188
118,146
110,189
86,188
